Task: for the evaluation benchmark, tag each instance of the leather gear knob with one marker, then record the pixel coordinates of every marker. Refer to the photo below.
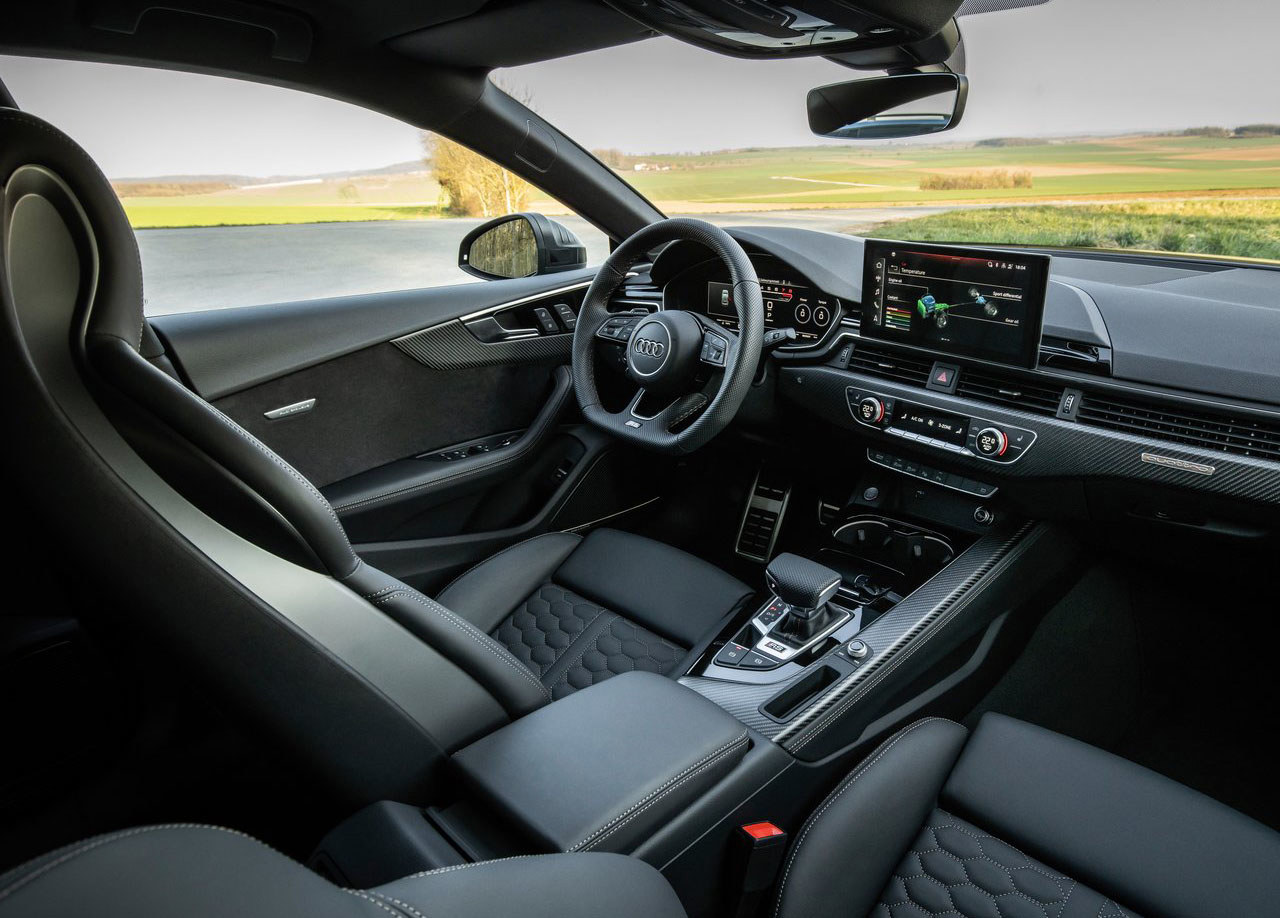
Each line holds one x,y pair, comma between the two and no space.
800,582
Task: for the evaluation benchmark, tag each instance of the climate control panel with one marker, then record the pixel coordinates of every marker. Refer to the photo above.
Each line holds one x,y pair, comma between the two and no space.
938,429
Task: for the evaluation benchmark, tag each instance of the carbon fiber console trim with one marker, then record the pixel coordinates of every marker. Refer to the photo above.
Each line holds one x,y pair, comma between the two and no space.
902,630
449,346
1064,449
930,607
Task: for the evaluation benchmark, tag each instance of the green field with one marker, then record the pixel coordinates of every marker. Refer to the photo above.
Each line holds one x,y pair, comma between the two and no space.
1174,193
849,176
410,196
1241,228
825,176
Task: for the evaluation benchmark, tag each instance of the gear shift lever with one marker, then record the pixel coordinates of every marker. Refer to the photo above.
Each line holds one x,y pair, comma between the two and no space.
806,587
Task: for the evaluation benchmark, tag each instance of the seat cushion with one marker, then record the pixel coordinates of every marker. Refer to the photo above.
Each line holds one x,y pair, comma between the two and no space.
956,868
1019,821
208,872
578,611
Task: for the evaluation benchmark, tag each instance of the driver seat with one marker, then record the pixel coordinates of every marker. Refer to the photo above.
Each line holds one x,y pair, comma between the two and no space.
577,611
535,622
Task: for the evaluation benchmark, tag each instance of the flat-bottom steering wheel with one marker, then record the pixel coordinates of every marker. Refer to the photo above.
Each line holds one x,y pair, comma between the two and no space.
667,349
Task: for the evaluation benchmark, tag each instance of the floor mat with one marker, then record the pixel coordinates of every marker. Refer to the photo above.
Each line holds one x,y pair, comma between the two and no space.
1123,662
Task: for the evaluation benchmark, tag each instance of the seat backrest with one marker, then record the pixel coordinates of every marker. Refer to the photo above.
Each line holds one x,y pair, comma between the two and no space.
267,596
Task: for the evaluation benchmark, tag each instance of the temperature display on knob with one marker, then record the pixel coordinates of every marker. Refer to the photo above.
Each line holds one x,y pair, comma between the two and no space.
992,441
871,410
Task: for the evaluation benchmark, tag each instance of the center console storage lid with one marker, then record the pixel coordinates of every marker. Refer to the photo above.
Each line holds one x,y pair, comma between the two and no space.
603,768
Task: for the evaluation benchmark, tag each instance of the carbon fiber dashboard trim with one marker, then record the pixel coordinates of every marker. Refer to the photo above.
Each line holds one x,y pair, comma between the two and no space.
1063,448
450,346
887,636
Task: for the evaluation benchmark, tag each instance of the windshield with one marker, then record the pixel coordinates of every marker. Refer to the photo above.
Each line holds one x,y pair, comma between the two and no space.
1140,125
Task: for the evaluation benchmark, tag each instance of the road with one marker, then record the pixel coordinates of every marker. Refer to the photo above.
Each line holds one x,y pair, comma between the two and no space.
224,266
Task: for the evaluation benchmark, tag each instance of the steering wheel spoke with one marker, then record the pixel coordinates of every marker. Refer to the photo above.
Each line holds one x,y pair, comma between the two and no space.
718,344
676,407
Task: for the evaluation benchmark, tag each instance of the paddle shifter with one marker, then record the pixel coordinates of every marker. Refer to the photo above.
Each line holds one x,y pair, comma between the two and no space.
799,615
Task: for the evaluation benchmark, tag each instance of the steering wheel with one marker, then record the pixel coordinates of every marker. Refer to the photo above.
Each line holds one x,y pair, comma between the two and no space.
666,350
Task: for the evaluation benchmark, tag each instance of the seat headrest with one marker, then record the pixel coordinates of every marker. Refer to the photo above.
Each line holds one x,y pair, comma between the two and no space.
26,140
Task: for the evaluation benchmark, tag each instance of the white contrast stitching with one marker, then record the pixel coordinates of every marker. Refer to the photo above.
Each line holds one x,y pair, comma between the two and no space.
470,631
836,794
403,906
640,805
498,860
85,847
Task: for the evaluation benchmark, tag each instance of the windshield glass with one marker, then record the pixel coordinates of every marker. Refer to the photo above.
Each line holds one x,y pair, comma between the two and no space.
1139,125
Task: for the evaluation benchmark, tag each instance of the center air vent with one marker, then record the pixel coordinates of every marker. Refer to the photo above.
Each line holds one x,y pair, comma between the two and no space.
1239,435
881,362
1034,397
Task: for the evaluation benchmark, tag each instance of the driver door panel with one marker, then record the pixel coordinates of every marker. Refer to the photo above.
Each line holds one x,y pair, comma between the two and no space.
447,435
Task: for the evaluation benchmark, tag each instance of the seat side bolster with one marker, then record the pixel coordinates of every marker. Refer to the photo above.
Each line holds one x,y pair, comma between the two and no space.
512,684
487,593
538,886
1143,840
852,843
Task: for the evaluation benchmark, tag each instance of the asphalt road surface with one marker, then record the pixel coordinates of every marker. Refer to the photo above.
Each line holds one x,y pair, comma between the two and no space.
225,266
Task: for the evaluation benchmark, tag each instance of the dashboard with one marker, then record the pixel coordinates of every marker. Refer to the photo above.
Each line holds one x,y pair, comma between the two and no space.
1147,383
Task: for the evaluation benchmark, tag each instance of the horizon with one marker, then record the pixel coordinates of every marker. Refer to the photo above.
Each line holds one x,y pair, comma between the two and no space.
663,97
856,146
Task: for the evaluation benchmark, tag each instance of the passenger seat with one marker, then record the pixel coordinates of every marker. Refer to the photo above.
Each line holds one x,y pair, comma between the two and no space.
1011,821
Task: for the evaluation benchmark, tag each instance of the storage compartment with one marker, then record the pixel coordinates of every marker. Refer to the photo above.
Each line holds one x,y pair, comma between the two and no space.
797,696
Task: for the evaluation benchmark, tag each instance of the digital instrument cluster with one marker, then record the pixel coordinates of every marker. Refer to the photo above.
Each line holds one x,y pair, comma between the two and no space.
786,305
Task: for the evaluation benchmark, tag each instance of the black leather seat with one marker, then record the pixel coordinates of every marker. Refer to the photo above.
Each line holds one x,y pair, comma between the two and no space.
577,611
237,480
203,871
1015,820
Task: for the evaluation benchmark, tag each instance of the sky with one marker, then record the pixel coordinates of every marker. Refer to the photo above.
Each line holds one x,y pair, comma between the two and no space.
1067,67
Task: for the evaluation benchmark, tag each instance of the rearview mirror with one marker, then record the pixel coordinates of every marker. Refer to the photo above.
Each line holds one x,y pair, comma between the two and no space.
901,105
520,245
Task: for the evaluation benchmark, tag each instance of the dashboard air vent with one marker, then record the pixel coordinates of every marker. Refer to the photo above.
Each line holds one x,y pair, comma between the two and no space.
875,361
1239,435
1035,397
637,292
1075,355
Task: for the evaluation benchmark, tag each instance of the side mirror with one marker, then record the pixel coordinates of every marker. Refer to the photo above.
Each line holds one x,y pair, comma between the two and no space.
901,105
520,245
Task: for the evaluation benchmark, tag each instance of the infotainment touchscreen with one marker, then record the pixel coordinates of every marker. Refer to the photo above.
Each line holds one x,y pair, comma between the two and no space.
960,302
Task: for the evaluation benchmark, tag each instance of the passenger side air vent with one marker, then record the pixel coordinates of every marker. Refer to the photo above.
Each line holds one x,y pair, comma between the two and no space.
875,361
1036,398
1239,435
1075,355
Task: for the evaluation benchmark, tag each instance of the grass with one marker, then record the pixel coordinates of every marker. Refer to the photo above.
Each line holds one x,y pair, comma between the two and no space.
849,176
407,196
1241,228
159,213
1145,177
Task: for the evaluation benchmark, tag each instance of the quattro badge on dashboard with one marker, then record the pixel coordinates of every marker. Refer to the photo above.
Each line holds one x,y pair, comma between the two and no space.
1181,465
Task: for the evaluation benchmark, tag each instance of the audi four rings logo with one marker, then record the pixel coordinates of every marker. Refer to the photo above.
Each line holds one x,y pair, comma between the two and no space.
647,347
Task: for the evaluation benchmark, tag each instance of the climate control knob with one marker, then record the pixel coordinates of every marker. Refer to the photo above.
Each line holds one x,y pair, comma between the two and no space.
871,410
992,442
